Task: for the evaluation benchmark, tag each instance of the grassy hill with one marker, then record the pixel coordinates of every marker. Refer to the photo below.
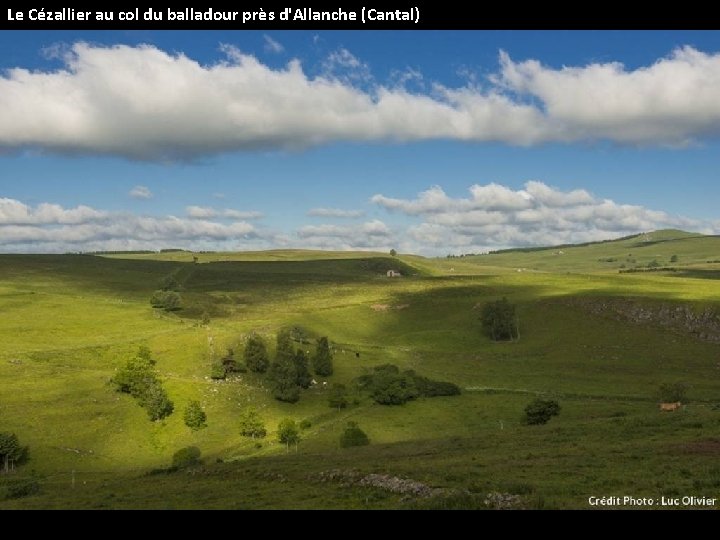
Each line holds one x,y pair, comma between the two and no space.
599,341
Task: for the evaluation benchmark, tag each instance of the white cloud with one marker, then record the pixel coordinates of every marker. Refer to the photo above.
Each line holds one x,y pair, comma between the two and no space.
496,216
144,103
335,213
371,235
141,192
50,227
273,46
203,212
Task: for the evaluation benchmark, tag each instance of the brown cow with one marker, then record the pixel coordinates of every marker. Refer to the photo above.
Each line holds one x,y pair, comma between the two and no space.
670,407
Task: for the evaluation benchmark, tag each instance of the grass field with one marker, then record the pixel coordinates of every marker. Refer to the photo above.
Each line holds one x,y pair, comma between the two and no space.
68,322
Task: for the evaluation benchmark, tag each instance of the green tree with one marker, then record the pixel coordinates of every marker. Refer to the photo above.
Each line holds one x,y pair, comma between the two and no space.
12,453
284,348
393,253
256,355
540,411
170,284
389,387
186,457
674,259
353,436
288,433
338,396
283,377
156,402
303,377
251,425
194,416
672,392
322,361
135,376
500,320
218,371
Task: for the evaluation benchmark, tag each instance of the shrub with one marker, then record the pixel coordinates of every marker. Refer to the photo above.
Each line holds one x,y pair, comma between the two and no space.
674,259
540,411
186,457
18,488
170,284
218,372
11,451
672,392
156,402
169,301
305,424
195,418
353,436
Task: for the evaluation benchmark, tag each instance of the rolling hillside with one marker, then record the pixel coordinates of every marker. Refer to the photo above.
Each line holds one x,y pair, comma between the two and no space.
599,341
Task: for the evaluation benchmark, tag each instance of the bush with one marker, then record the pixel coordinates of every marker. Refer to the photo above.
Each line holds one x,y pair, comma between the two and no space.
305,425
540,411
169,301
195,418
156,402
170,284
674,259
218,372
187,457
672,392
499,320
388,386
353,436
18,488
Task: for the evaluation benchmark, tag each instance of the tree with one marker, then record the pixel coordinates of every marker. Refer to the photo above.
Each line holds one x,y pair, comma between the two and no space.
672,392
338,397
256,356
393,253
170,283
302,377
156,402
500,321
674,259
284,378
288,433
194,416
353,436
134,377
218,372
322,361
284,348
186,457
251,425
12,453
540,411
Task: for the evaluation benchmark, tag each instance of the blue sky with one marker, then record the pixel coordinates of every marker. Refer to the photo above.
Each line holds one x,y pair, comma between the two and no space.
429,142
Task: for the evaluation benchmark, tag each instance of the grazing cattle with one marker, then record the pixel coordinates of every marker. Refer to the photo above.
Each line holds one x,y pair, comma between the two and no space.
670,407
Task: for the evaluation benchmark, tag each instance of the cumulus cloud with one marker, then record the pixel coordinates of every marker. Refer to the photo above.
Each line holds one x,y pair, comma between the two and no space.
371,235
335,213
144,103
203,212
141,192
50,227
497,216
273,46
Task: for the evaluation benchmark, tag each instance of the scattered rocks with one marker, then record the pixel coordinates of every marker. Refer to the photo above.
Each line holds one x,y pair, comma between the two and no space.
400,486
503,501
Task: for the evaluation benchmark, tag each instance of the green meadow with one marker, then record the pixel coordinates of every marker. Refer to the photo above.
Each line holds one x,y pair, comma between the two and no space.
70,322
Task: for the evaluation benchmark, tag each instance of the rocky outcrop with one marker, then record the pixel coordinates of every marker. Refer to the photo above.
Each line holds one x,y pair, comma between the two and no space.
701,323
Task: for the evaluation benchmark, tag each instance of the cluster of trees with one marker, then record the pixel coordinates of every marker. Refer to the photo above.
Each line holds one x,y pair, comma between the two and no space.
168,296
289,373
12,453
140,379
389,386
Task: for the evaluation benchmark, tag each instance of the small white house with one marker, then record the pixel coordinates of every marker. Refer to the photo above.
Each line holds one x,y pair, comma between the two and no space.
393,274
